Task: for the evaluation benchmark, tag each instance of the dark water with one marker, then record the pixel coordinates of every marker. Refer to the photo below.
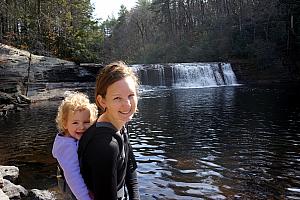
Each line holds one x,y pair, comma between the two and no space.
209,143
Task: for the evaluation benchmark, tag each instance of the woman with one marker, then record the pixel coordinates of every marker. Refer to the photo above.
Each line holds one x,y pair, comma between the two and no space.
106,159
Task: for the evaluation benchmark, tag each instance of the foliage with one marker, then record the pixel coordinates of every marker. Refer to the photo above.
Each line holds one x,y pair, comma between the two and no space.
263,31
198,30
62,28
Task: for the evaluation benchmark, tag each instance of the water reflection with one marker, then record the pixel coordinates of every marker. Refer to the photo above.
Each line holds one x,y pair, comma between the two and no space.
209,143
217,143
26,141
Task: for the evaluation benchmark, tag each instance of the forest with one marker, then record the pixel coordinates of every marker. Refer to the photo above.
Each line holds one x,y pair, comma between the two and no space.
263,32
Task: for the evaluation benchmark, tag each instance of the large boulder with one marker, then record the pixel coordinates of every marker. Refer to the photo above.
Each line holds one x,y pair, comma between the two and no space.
3,196
9,190
20,71
21,66
6,98
9,172
1,181
36,194
14,191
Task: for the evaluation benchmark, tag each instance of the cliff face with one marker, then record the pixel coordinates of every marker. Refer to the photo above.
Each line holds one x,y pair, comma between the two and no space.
19,68
18,65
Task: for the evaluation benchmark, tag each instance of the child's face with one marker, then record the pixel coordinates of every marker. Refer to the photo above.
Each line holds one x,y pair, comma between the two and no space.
77,122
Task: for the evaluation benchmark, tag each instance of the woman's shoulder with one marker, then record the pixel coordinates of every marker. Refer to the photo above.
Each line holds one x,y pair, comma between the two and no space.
104,136
102,145
98,135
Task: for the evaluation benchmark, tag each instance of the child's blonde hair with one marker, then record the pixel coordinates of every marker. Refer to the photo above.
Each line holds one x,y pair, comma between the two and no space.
74,101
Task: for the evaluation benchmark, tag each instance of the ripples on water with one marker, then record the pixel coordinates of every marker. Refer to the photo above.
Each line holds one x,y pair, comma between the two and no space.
209,143
26,140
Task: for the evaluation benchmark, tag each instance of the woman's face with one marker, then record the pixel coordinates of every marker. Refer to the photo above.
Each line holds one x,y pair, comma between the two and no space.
120,102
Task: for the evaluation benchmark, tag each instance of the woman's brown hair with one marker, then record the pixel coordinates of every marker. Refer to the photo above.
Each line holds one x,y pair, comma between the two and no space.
110,74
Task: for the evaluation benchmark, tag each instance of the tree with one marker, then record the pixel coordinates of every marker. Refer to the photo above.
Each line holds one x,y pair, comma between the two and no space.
63,28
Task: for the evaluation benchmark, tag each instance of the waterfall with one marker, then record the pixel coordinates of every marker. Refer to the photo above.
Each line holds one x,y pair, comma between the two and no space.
186,74
152,74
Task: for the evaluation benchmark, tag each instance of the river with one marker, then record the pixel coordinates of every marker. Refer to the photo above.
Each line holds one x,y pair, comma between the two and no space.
229,142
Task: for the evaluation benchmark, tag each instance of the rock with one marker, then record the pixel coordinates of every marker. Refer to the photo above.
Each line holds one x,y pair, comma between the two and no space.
3,196
9,172
24,99
11,87
22,66
5,108
1,182
20,71
12,101
14,191
6,98
36,194
9,190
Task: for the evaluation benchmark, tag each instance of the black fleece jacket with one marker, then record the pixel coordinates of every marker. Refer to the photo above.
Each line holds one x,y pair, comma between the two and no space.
105,167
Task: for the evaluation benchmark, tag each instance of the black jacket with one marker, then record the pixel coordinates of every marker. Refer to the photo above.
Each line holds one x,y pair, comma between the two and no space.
104,165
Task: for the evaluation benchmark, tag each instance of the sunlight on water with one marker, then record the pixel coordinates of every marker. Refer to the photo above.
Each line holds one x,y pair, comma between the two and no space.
210,143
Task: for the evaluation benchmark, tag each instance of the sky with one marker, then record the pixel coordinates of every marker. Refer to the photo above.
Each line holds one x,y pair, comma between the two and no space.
105,8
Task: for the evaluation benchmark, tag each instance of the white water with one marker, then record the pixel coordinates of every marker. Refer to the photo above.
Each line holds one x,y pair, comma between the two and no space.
186,75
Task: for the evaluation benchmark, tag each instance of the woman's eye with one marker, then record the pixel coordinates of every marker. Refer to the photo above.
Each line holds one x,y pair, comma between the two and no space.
131,96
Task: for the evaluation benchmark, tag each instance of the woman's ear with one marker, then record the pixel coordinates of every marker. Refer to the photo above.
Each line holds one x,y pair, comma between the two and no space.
101,101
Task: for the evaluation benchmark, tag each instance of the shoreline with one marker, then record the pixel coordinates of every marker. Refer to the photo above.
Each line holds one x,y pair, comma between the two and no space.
55,91
9,189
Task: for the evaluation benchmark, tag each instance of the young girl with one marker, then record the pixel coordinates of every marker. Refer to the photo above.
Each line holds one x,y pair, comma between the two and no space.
106,158
75,115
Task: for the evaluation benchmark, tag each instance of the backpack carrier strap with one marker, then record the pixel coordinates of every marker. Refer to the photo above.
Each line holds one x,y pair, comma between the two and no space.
63,186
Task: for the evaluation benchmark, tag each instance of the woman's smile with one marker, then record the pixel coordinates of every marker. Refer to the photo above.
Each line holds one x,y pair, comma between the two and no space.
124,112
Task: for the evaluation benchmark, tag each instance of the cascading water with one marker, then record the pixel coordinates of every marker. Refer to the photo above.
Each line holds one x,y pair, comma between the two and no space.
229,75
152,74
186,74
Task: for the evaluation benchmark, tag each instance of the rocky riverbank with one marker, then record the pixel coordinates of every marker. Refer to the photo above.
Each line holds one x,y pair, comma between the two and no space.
25,79
10,190
20,70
